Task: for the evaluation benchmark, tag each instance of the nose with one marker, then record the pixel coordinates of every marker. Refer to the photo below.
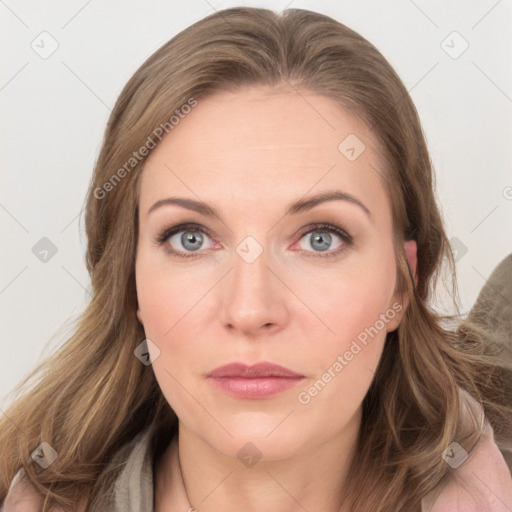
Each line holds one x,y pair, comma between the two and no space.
253,298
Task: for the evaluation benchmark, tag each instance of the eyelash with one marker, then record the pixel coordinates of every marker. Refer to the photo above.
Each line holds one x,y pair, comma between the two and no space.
167,232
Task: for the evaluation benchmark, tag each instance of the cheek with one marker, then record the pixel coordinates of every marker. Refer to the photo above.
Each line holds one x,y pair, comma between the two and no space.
345,359
357,306
346,300
167,296
167,305
173,312
357,317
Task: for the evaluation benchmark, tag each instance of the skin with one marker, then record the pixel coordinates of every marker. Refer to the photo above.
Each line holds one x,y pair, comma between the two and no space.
250,153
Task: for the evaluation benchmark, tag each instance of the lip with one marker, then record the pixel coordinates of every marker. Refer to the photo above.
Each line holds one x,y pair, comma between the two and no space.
258,370
261,380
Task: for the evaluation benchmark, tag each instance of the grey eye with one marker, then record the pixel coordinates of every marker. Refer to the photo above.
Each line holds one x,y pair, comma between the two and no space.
190,240
320,240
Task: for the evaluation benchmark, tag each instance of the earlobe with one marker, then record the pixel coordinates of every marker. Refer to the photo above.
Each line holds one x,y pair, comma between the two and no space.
139,315
395,314
401,300
412,257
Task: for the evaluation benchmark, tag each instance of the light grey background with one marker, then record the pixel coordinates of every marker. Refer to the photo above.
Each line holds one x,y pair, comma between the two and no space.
54,111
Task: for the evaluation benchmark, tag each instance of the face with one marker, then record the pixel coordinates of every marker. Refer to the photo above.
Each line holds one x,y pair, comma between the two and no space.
311,289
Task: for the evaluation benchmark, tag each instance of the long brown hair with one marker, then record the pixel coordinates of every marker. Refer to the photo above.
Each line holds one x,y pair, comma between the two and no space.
93,396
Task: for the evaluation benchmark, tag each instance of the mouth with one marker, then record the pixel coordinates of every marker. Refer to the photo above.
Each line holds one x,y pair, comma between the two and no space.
259,381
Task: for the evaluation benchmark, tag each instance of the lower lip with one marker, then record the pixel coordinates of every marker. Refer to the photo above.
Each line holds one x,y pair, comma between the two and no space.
263,387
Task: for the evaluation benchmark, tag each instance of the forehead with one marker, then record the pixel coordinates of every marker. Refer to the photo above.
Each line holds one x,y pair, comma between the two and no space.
259,142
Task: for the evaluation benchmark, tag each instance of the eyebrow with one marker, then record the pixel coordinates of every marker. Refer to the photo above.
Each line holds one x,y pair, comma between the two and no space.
300,206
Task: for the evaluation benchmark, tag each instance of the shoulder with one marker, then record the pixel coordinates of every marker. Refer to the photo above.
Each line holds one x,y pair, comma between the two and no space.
127,478
22,496
481,482
126,483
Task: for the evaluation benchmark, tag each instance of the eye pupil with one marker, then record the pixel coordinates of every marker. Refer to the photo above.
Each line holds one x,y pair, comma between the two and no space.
193,238
323,237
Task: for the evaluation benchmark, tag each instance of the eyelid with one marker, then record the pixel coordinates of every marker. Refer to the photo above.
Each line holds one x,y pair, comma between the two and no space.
172,229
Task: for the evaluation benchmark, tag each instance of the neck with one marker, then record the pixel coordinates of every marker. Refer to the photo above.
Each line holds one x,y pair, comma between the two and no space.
193,475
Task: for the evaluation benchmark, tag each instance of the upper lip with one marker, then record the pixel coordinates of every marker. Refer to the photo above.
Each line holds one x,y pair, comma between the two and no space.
258,370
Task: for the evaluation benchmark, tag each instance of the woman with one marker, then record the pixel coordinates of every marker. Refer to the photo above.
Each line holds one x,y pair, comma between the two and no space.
263,244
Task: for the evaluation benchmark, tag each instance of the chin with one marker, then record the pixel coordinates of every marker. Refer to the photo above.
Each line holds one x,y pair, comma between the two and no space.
268,437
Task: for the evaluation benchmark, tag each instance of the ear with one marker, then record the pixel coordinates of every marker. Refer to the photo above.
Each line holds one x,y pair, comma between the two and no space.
139,314
411,250
400,299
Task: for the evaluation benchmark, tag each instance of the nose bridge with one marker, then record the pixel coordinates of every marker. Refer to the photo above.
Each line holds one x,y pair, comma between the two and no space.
252,297
250,264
